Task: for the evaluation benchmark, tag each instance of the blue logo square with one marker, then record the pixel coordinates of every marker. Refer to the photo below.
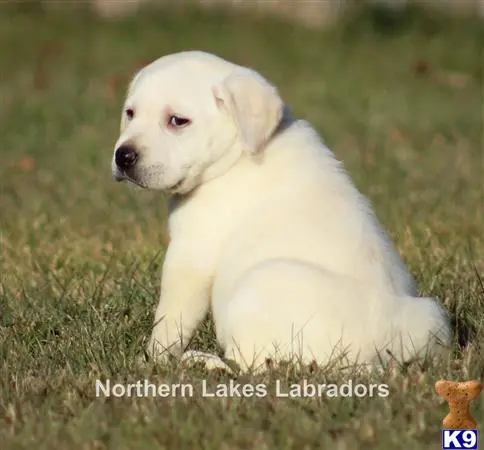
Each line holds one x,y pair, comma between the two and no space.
460,439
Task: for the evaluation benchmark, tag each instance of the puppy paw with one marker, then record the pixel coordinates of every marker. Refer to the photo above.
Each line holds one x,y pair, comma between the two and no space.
211,362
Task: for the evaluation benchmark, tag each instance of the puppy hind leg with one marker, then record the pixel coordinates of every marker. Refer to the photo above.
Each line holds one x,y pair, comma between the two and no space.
281,310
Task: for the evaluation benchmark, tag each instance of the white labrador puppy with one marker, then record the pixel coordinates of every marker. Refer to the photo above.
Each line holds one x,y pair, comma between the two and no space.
266,228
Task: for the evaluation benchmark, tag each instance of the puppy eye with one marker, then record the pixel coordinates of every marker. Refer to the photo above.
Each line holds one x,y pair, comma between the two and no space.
177,122
130,113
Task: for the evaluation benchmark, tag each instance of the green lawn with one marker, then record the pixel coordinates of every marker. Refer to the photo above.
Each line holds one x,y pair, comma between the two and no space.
81,254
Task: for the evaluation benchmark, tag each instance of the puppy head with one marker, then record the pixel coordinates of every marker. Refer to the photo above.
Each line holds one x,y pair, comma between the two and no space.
188,117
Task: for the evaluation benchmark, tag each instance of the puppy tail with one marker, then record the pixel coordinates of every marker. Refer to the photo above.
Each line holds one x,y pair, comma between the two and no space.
424,328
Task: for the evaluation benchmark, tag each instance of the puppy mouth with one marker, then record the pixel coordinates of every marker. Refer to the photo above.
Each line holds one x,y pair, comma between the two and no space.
124,176
173,189
119,177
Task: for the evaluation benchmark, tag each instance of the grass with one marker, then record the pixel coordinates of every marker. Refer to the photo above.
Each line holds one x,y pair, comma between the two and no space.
399,100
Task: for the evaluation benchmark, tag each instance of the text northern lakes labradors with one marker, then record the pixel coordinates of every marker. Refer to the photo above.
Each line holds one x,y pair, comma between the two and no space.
304,389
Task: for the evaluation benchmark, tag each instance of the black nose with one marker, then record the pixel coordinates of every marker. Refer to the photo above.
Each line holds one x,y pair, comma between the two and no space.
125,157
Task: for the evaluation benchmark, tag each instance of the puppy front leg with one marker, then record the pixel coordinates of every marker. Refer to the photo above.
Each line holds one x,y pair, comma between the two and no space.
184,301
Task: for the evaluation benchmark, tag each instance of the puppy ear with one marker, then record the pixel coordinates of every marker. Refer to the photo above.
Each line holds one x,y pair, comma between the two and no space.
254,103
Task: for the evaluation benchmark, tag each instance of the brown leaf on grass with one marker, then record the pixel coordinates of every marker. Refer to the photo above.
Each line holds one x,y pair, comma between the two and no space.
26,163
142,63
6,100
336,433
50,49
112,84
423,69
454,79
41,79
119,81
397,135
10,415
47,52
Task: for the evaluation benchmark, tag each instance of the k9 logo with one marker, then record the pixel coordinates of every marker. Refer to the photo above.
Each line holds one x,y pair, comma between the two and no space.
460,439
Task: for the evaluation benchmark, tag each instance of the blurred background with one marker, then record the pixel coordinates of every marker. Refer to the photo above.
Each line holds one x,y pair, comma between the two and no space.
312,12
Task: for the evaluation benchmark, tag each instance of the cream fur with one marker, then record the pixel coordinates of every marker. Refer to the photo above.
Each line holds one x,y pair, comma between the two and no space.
266,228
